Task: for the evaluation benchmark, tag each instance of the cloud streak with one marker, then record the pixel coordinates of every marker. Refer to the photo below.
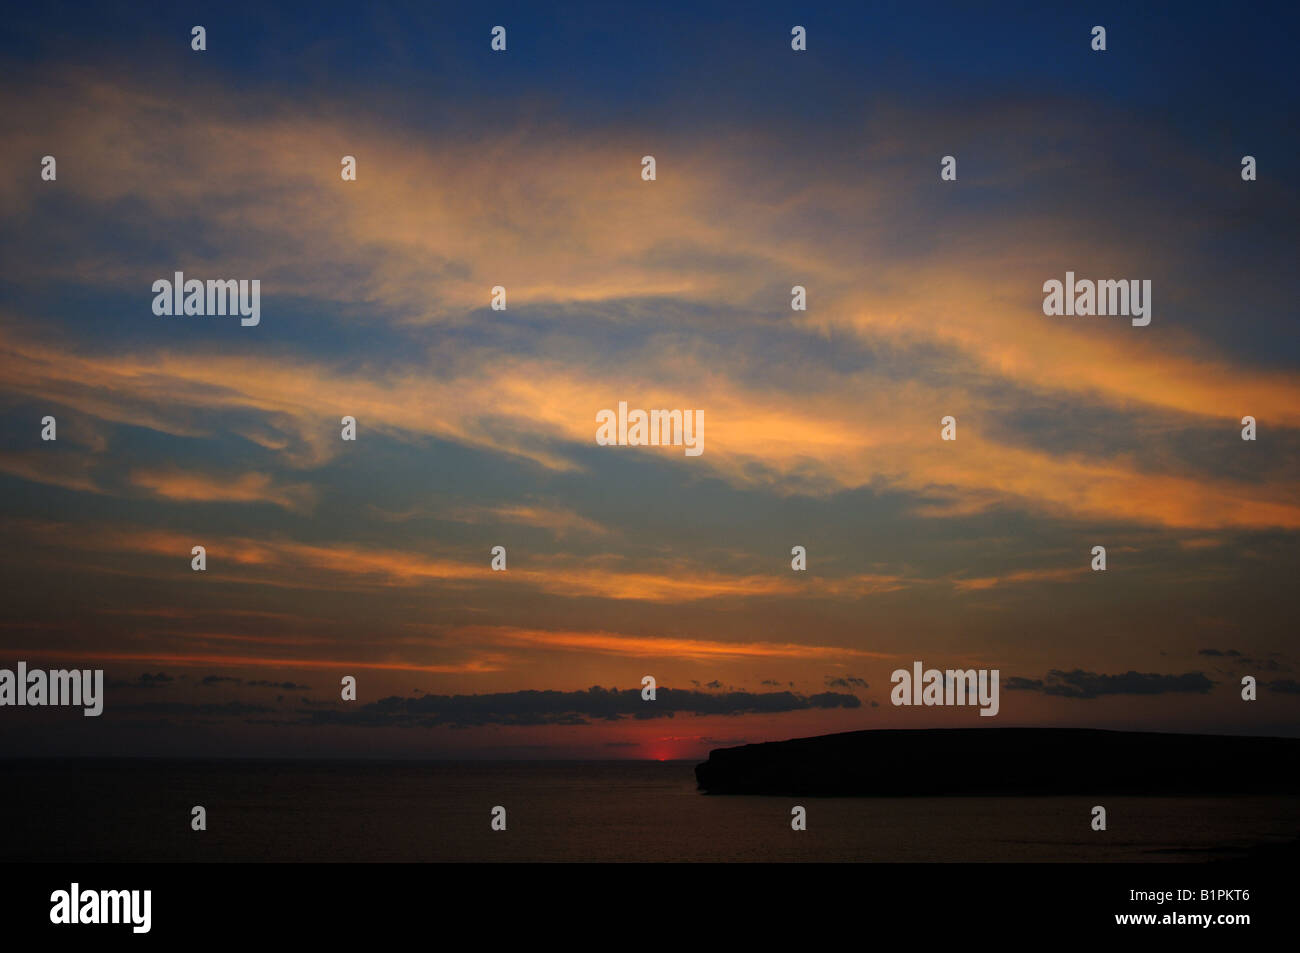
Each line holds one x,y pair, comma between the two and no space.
571,708
1090,685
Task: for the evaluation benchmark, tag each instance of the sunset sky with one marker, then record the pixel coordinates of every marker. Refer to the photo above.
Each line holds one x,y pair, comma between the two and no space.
476,428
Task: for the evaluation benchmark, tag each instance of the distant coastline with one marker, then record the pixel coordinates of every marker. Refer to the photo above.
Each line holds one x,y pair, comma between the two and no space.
1005,762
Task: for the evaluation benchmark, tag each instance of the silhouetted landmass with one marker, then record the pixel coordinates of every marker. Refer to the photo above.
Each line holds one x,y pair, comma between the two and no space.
1005,761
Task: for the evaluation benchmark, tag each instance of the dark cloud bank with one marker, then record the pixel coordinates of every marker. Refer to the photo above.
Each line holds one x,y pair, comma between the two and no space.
572,708
1081,684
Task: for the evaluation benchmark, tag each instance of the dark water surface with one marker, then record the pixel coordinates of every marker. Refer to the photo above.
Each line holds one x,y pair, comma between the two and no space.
139,810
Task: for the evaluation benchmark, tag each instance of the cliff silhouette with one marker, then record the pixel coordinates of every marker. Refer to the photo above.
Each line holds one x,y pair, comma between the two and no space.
1005,762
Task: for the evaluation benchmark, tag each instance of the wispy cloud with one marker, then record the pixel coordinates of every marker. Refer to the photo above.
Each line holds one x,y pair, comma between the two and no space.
1081,684
205,487
660,647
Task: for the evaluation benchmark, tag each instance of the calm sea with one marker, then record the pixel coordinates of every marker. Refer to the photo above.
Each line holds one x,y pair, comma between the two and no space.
82,811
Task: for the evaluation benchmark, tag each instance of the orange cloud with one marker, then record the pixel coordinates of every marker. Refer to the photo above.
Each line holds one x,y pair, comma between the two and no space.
329,566
852,437
612,643
486,664
69,471
566,220
972,584
559,520
175,484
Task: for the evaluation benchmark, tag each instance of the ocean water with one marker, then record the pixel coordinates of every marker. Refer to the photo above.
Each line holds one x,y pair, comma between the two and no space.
139,810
